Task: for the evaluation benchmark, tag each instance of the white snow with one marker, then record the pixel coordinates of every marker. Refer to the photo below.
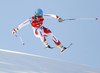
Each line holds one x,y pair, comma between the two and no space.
17,62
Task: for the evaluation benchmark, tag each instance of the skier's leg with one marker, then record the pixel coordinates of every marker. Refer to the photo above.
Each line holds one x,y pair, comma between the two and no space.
43,39
40,34
48,33
56,41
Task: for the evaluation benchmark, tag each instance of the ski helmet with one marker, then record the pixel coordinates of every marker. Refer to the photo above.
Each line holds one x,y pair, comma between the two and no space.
38,12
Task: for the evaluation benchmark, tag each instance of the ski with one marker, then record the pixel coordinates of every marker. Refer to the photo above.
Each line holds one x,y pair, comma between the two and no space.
49,47
66,48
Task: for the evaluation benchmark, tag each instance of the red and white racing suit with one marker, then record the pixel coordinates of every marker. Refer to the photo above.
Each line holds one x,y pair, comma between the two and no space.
41,31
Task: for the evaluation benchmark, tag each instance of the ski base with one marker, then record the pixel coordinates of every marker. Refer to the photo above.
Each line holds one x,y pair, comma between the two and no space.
66,48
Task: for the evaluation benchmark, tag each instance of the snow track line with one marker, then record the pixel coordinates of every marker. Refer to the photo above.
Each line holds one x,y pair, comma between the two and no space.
21,53
15,52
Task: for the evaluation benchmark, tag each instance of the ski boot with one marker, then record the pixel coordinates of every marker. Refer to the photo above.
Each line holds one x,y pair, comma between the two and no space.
49,47
62,48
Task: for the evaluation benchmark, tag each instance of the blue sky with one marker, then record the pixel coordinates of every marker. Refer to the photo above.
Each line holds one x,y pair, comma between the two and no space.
84,34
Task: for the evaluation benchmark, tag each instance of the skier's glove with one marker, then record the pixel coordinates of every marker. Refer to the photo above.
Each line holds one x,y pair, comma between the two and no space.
60,19
15,31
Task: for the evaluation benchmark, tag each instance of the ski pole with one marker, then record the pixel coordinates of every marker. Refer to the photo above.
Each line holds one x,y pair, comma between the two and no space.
82,19
20,39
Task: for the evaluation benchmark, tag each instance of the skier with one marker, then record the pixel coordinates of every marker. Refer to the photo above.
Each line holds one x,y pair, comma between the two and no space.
39,30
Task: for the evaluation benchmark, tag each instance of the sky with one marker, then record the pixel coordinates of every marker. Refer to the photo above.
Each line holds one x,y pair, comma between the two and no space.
84,34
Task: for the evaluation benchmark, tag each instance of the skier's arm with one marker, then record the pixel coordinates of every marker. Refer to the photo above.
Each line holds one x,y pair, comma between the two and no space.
52,16
20,26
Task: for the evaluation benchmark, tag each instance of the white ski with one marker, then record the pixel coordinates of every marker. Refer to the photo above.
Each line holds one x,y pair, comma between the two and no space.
49,48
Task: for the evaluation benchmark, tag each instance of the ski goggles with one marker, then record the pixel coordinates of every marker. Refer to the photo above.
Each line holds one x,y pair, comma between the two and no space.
39,16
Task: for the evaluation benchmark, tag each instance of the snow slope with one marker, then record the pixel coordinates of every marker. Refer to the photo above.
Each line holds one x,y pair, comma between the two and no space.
17,62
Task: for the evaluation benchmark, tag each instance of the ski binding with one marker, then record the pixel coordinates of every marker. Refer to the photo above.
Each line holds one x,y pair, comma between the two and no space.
66,48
